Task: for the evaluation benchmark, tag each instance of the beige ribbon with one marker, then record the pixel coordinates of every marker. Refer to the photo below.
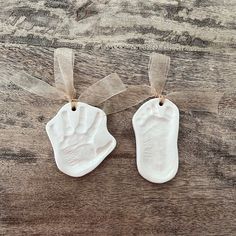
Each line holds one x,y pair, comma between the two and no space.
157,70
110,93
64,83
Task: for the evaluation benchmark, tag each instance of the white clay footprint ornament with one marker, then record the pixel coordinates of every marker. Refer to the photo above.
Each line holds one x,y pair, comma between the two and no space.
156,125
156,131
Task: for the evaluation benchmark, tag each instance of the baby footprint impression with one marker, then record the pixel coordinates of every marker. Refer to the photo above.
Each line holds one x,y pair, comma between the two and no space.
156,131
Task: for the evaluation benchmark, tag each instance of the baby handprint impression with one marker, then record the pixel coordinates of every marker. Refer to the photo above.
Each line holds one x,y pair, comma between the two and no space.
80,139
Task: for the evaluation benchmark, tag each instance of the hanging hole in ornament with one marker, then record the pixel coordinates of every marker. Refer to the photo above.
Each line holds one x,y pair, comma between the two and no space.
161,100
73,103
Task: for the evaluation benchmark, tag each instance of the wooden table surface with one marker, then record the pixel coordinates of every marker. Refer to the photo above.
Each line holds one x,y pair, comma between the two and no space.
118,36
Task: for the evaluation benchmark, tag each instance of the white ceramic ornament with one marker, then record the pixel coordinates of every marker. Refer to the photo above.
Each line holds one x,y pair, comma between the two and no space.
156,131
80,138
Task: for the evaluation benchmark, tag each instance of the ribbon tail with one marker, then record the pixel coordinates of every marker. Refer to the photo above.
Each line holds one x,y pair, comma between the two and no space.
132,96
207,101
36,86
103,90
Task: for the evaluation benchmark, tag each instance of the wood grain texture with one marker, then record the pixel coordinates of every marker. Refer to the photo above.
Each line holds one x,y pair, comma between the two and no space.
118,36
191,25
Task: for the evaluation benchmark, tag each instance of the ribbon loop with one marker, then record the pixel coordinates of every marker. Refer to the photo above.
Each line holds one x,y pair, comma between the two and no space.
63,71
157,70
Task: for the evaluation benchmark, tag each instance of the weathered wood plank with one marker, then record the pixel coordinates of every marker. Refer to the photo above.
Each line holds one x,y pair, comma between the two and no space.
166,24
36,199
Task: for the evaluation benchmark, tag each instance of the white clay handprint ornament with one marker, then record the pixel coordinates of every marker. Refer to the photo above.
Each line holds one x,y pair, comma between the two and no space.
78,133
80,138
